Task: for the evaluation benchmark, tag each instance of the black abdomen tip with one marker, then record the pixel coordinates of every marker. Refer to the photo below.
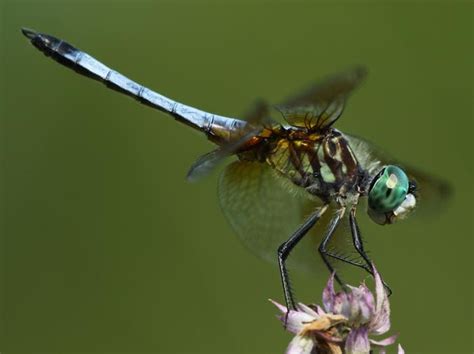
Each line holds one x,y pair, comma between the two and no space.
29,33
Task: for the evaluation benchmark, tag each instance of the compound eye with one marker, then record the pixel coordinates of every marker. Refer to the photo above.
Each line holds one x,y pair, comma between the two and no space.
389,189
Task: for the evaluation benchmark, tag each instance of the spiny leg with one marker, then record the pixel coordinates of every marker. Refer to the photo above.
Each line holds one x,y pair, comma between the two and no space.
363,263
359,246
285,249
340,257
358,243
323,251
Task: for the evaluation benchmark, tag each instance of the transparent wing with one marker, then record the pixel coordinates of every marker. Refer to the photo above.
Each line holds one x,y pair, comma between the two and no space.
258,113
321,104
264,209
207,162
431,192
257,116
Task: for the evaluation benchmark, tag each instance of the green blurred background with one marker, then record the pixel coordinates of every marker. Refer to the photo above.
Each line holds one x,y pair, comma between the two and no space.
107,248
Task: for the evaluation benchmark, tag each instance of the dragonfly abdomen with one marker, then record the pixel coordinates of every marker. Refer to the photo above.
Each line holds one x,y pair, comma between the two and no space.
217,128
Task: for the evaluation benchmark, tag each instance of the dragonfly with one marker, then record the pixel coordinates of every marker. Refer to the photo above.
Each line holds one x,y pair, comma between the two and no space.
297,181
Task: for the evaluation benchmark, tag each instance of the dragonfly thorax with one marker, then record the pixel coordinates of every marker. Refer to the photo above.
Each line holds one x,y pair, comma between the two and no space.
323,163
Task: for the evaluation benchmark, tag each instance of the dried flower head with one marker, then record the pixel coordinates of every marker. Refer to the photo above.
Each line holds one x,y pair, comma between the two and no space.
344,325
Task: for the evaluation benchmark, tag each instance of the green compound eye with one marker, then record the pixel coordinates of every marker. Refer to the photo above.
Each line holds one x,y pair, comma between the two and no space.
389,189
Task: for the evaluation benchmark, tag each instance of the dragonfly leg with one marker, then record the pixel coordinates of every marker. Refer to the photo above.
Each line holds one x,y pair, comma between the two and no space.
324,252
359,246
285,249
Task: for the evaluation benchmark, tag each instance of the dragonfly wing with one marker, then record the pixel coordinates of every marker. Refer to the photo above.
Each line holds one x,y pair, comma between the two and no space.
431,192
321,104
205,164
257,115
265,208
258,112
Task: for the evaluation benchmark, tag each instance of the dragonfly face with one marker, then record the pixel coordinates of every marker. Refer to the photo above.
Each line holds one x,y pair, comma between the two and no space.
391,196
287,178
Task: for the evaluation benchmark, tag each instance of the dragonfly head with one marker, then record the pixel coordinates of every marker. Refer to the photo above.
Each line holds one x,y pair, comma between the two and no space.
391,195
